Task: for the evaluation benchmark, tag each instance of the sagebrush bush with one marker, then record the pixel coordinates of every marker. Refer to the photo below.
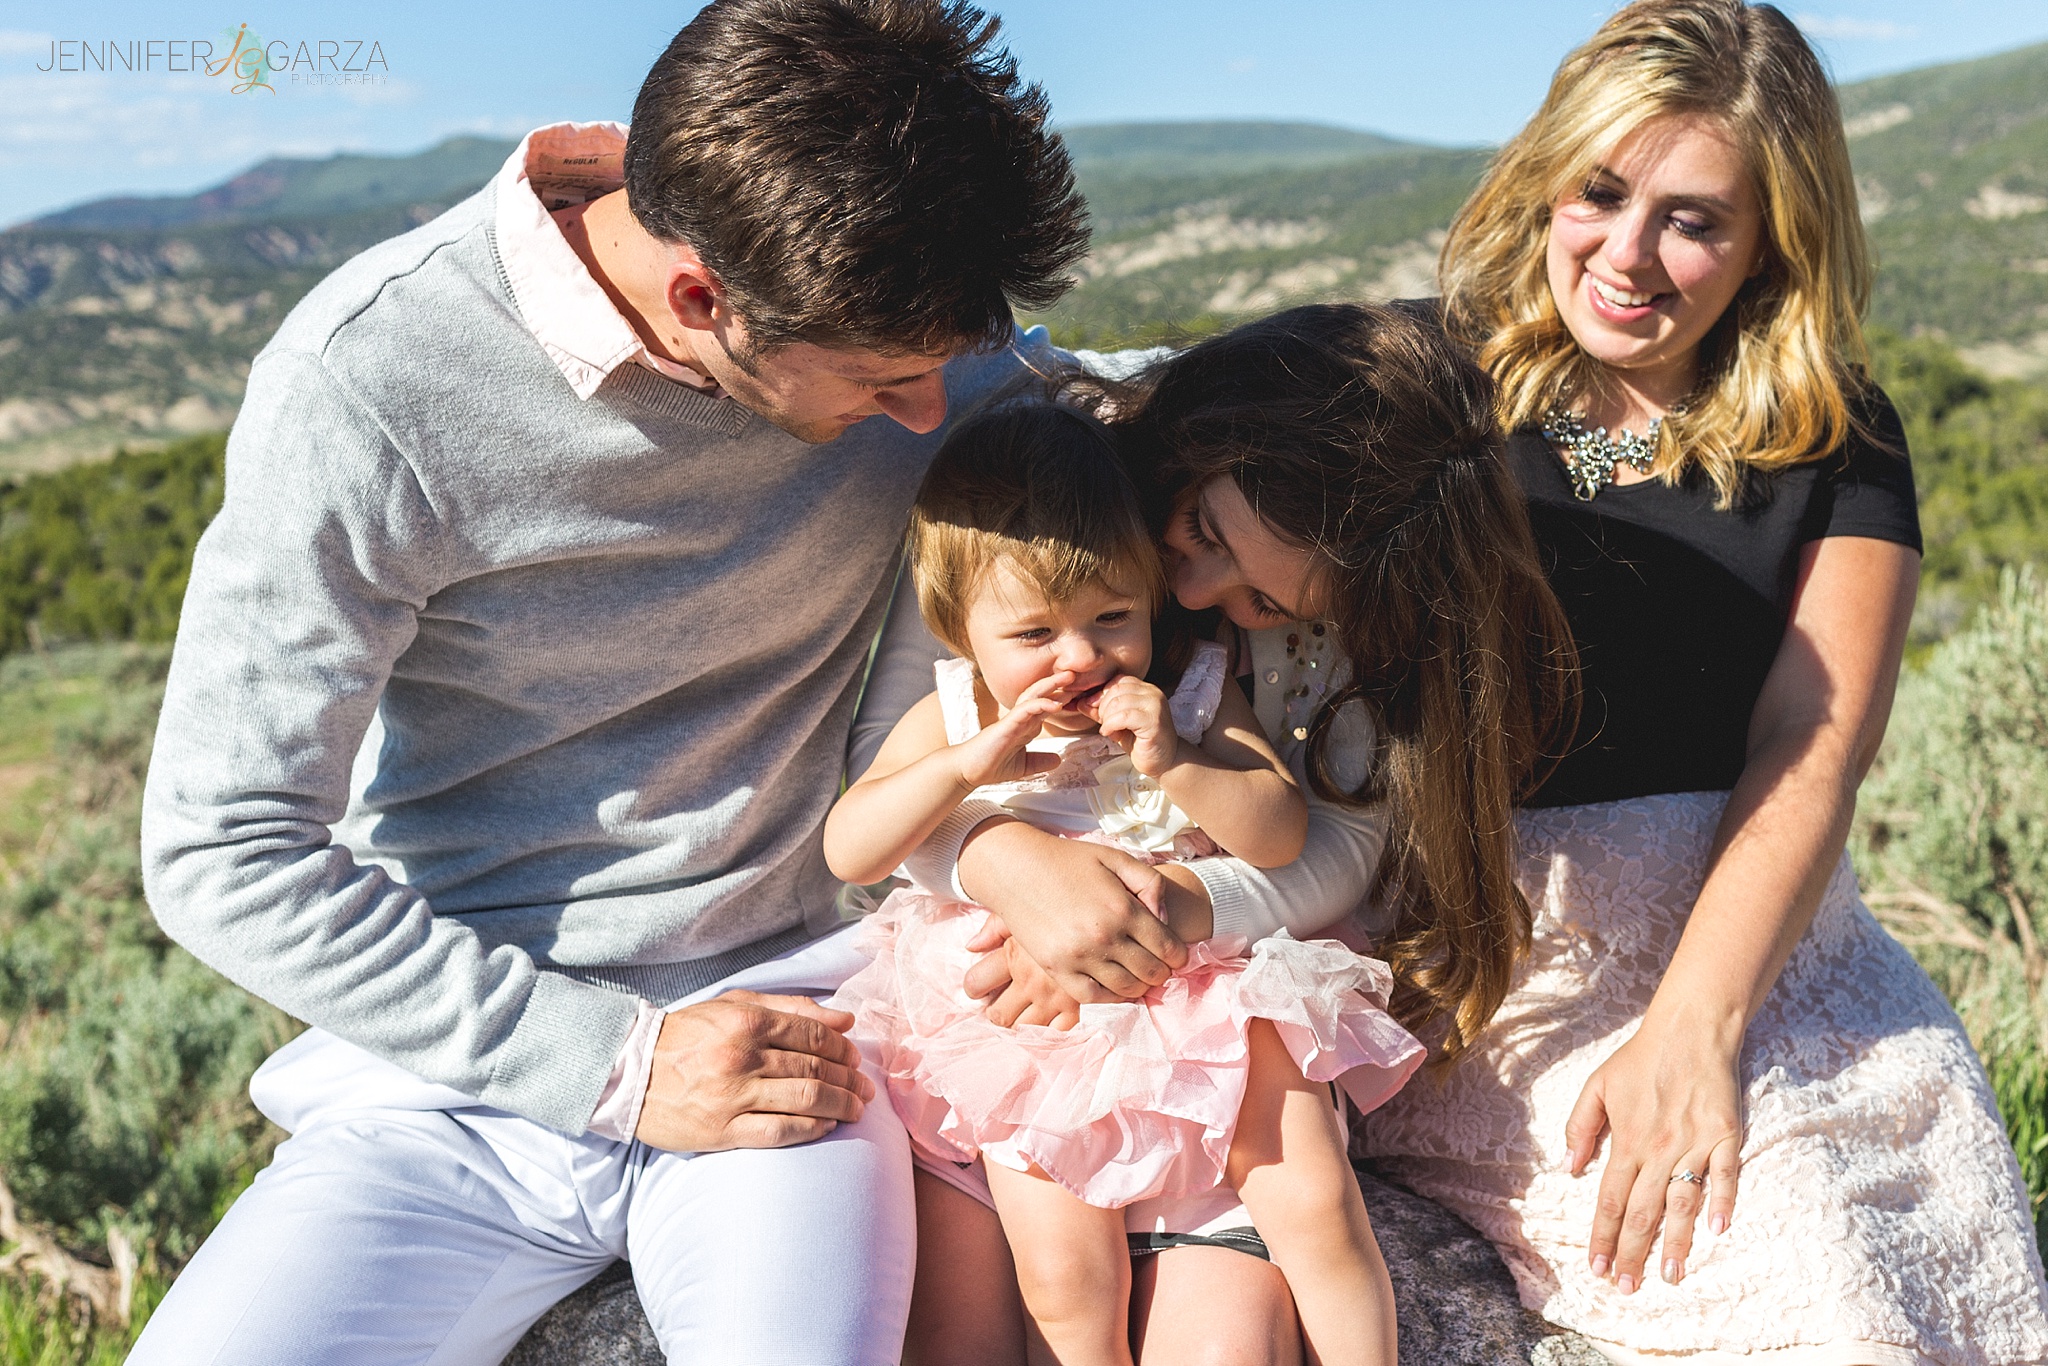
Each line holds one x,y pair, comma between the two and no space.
1952,835
125,1062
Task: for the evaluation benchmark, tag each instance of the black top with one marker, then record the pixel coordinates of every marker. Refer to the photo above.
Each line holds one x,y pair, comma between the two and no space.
1679,608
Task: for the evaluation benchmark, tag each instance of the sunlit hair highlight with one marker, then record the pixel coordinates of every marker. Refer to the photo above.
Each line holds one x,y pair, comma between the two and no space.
1779,369
1040,487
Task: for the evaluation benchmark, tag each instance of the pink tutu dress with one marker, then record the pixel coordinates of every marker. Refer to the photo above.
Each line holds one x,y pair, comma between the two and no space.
1140,1098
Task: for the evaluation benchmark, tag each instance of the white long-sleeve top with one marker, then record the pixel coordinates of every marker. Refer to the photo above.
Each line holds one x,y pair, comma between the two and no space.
1291,669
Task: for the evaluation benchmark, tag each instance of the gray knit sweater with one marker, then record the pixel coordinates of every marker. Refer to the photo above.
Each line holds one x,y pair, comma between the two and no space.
492,708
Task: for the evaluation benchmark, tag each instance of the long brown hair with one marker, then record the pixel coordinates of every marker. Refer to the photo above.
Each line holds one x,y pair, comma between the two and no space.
1365,435
1778,371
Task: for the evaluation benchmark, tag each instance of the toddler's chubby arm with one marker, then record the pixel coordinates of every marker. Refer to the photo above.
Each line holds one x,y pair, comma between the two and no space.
1233,784
917,779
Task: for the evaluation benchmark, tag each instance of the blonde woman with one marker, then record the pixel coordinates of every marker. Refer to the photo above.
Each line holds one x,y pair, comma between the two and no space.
1721,1115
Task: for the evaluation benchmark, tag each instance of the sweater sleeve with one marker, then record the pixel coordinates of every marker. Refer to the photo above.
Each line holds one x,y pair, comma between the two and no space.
304,593
1324,885
1330,879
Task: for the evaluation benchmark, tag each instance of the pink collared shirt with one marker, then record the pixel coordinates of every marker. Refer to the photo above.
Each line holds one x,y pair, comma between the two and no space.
576,323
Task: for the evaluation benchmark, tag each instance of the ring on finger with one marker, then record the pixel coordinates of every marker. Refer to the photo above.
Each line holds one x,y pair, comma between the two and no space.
1690,1177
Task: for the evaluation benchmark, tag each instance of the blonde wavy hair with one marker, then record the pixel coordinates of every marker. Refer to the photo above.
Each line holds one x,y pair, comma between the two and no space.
1779,370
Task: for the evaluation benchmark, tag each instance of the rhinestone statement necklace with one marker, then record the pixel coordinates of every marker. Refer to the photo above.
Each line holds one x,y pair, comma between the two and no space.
1591,456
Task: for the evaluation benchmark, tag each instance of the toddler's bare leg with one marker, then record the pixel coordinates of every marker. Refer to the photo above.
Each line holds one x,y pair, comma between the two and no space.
1289,1165
1073,1267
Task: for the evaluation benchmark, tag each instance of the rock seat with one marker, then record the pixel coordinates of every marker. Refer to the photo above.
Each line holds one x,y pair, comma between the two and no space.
1457,1303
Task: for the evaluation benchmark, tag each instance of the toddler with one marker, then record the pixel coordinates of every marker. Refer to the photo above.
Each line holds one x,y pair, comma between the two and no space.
1033,561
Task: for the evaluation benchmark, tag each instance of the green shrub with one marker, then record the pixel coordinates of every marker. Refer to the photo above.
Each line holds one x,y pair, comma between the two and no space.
1980,458
102,551
1952,840
125,1062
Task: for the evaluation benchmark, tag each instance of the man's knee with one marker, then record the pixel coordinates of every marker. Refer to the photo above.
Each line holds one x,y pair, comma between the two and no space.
369,1239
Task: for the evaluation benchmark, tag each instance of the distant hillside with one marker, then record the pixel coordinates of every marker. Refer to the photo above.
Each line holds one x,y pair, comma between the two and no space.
1198,250
134,319
285,187
1196,149
1952,172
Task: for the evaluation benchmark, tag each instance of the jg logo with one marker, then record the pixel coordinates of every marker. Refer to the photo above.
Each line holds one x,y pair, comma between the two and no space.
249,64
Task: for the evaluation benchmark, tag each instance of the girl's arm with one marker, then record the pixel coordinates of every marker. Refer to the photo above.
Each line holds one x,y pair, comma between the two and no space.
1670,1098
1078,908
1232,783
917,779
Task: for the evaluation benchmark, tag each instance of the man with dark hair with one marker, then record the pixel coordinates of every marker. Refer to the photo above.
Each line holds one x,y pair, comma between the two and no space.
516,677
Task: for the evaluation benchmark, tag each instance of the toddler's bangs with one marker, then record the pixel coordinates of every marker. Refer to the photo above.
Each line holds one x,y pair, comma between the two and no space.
1040,487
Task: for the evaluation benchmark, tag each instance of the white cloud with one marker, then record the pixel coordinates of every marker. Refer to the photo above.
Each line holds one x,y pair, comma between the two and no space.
65,140
1846,28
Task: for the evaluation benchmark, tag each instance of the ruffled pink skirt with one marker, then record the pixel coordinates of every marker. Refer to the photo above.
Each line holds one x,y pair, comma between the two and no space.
1138,1100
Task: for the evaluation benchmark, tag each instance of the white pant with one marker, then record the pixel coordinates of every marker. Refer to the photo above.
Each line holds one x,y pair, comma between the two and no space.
403,1222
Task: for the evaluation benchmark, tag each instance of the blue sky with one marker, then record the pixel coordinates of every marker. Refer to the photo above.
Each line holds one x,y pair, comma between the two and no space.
1451,71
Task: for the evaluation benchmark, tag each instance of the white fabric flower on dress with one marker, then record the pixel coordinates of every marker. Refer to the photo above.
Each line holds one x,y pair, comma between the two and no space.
1135,809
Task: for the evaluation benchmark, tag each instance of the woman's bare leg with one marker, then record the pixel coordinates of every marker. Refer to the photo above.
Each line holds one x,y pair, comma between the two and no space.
1210,1306
1073,1270
1288,1164
964,1310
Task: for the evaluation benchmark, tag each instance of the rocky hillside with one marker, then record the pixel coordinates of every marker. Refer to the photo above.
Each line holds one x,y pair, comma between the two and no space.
1952,172
133,320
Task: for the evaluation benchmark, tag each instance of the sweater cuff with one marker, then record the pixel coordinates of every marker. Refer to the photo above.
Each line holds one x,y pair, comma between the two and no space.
1232,907
935,864
617,1115
555,1065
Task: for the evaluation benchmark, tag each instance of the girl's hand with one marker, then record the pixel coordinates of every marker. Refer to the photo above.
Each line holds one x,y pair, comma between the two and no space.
1022,991
1670,1101
1133,713
997,754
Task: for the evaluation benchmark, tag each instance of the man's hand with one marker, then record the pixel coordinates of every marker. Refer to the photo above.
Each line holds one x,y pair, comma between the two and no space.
751,1071
1081,910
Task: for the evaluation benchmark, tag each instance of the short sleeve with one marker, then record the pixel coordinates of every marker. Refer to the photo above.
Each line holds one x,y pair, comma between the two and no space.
1867,488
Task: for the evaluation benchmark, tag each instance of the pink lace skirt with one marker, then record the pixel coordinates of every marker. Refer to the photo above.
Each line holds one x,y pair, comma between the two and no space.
1138,1100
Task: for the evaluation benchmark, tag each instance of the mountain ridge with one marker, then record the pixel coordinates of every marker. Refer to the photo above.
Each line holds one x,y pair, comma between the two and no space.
292,187
144,332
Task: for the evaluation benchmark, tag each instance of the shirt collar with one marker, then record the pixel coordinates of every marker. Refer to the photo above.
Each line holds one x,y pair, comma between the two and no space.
567,311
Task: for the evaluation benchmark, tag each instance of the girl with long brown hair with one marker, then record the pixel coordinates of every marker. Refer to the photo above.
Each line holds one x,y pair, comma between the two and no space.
1664,274
1328,482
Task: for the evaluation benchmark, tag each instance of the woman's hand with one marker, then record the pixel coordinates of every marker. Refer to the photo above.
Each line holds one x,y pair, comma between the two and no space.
1083,911
1669,1101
